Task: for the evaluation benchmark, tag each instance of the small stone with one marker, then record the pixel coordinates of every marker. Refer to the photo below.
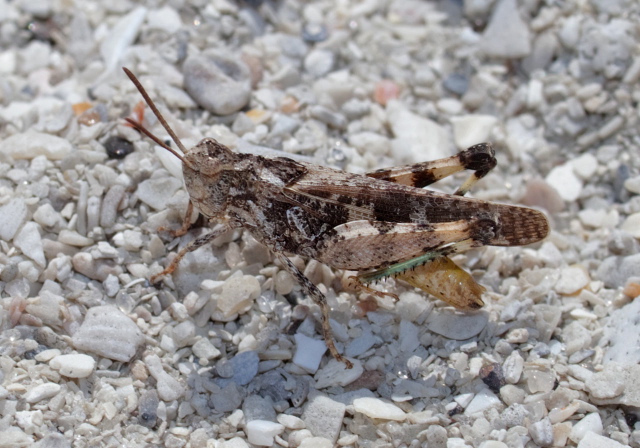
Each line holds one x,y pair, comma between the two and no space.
633,183
385,91
589,423
585,166
416,138
469,130
540,194
483,400
456,325
324,416
378,409
96,269
238,294
108,332
156,192
228,399
118,147
164,19
29,241
563,179
262,432
74,365
542,432
319,62
615,271
46,216
110,204
335,373
73,238
245,367
204,349
572,279
169,388
41,392
12,217
513,367
608,383
217,82
15,437
148,408
506,35
32,144
361,344
309,352
291,421
593,440
631,225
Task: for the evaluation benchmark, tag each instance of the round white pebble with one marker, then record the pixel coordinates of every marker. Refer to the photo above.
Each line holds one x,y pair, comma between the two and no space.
74,365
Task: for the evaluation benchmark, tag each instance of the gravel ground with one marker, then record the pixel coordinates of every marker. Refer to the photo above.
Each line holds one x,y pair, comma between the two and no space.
227,352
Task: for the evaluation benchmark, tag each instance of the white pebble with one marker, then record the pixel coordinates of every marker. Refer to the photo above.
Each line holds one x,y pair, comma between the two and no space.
585,166
335,373
238,294
590,422
309,352
378,409
593,440
542,432
32,144
325,416
483,400
166,19
633,184
157,192
319,62
564,180
41,392
108,332
205,349
262,432
73,365
29,241
512,367
572,279
14,437
631,225
46,215
169,388
290,421
471,129
609,383
12,217
73,238
416,138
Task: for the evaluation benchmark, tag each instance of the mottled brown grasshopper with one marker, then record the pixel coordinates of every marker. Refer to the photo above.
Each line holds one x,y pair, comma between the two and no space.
380,224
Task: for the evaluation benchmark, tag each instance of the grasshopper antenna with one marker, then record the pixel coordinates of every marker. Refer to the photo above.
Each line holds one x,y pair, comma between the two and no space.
157,113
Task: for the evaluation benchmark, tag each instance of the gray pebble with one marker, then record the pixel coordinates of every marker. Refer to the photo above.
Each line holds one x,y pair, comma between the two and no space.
228,399
258,408
614,271
218,83
245,367
109,211
148,408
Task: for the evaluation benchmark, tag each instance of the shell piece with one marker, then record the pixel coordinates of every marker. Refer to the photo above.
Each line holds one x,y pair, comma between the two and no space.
108,332
447,281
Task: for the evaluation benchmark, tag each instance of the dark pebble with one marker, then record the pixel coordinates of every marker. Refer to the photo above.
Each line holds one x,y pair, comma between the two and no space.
118,147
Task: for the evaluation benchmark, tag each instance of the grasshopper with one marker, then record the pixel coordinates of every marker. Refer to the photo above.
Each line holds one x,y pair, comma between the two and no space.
380,224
